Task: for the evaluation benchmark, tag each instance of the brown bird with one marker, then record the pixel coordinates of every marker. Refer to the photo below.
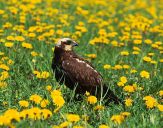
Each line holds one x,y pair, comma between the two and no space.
77,73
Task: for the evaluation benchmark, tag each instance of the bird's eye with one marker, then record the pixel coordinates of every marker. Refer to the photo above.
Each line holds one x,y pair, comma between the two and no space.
68,42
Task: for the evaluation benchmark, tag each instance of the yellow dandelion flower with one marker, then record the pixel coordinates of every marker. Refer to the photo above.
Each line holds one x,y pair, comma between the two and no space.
32,35
148,41
161,60
38,75
91,99
99,107
72,117
112,34
161,93
7,24
35,98
2,53
24,103
150,102
123,79
41,75
158,42
19,38
117,67
64,124
147,59
4,58
49,88
114,43
117,119
160,107
124,53
10,62
160,48
5,121
136,48
92,42
92,56
33,53
126,66
10,38
128,102
144,74
27,45
4,75
46,113
133,71
56,93
3,84
135,52
12,114
129,88
2,12
45,74
58,101
120,84
2,40
150,54
5,67
107,66
125,114
103,126
34,113
154,46
9,45
153,62
44,103
36,72
24,113
137,41
59,32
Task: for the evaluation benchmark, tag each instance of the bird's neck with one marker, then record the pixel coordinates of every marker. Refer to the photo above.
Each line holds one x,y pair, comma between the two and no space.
61,54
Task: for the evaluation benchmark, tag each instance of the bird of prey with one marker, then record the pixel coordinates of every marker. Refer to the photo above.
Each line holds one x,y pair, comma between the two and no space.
77,73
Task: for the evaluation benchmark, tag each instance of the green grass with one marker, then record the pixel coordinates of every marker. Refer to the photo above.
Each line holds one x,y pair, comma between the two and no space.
22,83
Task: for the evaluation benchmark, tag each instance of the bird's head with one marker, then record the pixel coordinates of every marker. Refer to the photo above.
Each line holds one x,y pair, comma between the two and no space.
66,44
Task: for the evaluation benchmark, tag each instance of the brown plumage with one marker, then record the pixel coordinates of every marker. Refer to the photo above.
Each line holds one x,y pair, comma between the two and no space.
77,73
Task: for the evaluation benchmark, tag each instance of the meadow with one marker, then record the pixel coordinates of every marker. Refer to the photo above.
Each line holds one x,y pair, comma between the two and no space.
122,39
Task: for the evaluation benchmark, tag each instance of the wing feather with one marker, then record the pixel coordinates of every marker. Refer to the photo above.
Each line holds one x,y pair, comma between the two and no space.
81,72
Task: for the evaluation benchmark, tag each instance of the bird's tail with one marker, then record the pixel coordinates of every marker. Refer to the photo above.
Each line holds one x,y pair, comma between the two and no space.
110,96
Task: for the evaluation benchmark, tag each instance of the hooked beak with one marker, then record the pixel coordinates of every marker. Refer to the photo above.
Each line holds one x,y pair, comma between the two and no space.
75,43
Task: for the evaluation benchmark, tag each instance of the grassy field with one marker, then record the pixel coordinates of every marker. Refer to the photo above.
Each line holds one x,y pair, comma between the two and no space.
122,39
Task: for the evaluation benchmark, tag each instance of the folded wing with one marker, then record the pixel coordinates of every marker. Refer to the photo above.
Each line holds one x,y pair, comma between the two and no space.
81,72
